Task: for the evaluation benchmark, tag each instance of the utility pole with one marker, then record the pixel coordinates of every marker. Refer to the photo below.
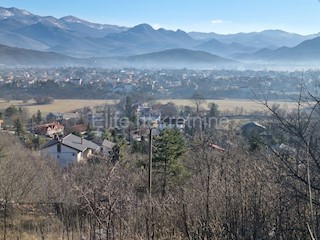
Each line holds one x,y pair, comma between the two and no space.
150,163
150,231
149,224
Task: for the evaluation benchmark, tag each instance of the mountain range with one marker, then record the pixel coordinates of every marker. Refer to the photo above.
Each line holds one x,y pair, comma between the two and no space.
79,41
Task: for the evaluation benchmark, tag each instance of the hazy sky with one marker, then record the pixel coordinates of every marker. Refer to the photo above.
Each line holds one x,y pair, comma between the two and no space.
221,16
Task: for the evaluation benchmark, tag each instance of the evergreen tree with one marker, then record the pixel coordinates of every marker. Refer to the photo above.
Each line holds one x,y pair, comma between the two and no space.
11,112
107,135
38,117
117,150
90,133
128,108
18,126
169,147
213,110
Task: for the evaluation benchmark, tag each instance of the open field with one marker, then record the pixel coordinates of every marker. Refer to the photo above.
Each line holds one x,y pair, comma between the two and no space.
59,105
231,104
69,105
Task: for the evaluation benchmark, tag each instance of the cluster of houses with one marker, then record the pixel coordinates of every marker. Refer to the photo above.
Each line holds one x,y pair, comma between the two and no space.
64,142
173,83
66,147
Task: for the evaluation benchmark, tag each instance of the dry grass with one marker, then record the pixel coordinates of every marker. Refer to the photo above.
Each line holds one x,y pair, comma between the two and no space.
59,105
27,227
231,104
68,105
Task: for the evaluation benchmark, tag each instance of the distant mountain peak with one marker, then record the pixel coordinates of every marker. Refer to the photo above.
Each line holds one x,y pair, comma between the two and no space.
11,12
73,36
142,28
5,13
72,19
51,21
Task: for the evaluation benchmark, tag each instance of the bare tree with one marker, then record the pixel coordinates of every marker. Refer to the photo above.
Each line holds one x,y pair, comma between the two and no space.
197,99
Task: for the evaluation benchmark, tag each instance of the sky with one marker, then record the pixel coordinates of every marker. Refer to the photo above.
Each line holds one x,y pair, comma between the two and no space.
220,16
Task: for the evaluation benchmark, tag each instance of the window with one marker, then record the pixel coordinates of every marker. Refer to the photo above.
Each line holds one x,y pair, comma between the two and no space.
59,148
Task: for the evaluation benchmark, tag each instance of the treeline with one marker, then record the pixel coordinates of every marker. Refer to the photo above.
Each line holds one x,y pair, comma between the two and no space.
214,184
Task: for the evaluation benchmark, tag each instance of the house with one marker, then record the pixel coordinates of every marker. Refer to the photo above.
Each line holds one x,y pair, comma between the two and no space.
69,149
68,116
107,147
76,81
146,115
54,117
49,129
253,128
173,123
80,128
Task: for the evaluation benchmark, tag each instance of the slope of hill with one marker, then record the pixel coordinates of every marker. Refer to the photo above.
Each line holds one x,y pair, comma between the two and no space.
87,29
67,35
143,39
266,39
180,58
216,47
307,51
79,38
73,36
11,57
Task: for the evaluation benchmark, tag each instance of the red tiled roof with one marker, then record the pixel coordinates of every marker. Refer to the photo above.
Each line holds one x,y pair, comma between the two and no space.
79,128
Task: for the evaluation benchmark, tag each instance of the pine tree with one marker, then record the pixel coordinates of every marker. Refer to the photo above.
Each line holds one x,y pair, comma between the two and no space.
90,133
19,129
169,147
38,117
107,135
213,110
128,107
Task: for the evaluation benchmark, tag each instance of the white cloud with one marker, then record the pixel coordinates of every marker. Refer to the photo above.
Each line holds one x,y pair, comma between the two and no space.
217,21
156,26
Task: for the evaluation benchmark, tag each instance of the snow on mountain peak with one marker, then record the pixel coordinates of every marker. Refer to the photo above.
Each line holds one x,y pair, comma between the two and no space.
5,13
51,21
72,19
26,13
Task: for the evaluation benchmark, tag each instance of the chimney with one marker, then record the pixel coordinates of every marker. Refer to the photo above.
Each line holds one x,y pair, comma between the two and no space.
81,140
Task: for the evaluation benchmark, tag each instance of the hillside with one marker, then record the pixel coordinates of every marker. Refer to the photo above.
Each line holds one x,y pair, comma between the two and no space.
180,58
23,57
